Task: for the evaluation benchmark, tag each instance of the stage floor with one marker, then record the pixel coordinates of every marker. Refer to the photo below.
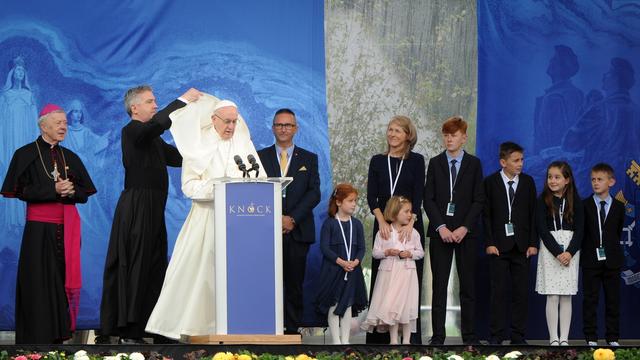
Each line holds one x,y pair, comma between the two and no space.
315,336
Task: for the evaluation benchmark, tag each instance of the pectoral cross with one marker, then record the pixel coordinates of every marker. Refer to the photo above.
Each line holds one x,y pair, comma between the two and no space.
55,172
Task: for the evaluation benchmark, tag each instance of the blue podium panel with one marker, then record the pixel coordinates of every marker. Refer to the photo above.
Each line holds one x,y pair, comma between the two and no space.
250,257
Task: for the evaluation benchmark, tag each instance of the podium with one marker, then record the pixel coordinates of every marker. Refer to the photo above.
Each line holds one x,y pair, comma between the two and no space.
248,262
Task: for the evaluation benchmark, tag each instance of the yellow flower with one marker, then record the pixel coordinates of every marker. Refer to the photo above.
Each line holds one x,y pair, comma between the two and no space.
604,354
223,356
302,357
244,357
289,358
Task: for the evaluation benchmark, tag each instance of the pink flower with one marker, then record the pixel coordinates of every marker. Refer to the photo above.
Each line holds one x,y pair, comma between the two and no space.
21,357
34,356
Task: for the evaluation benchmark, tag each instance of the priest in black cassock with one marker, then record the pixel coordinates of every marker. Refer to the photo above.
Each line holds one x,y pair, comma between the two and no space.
51,180
137,255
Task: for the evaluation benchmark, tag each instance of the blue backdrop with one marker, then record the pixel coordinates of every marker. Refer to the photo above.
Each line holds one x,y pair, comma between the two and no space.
558,77
84,55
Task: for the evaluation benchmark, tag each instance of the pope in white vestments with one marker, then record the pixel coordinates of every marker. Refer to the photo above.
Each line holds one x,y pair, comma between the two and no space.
208,133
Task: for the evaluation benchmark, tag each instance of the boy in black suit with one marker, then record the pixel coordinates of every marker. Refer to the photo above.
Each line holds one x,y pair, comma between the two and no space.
601,256
453,201
298,200
509,224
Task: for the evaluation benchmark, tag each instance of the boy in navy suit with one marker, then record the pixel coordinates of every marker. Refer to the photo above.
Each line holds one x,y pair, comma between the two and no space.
510,236
453,201
601,256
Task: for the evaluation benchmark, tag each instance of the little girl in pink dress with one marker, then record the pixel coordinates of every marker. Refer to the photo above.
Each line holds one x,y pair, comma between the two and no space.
395,301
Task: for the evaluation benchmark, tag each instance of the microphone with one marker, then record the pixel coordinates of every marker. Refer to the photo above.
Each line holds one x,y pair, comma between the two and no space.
254,164
241,166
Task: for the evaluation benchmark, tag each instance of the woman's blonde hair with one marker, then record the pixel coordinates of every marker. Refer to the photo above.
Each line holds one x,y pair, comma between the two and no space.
406,124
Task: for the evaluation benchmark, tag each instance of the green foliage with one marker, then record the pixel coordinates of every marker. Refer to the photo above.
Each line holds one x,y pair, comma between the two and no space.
628,354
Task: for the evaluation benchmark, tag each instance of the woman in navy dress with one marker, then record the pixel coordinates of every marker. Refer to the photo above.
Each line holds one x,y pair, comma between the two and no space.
400,172
341,289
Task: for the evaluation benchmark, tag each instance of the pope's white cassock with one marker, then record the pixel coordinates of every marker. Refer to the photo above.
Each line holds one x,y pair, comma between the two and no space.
187,302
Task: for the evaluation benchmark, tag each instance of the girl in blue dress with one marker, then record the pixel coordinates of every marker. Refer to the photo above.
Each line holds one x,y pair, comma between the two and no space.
341,289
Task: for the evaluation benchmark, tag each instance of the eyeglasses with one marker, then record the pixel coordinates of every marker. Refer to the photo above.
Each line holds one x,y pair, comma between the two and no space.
226,121
284,126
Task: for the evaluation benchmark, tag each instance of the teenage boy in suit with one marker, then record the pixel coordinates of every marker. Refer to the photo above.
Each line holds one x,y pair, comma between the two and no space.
298,200
510,236
453,201
601,256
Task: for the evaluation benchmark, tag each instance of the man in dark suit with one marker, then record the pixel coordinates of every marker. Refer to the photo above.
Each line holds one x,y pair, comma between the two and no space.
511,239
601,256
298,201
453,201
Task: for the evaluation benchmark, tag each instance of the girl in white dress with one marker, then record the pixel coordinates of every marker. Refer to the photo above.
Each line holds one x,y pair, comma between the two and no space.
560,221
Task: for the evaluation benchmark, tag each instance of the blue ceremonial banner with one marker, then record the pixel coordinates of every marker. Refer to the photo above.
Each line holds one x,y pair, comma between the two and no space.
251,254
559,77
263,55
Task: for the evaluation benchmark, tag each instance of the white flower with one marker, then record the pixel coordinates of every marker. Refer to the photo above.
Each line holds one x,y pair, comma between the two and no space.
136,356
110,358
425,357
492,357
80,355
119,356
513,355
455,357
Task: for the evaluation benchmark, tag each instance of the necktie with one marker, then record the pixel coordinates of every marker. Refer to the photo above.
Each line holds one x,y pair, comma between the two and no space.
512,192
454,172
283,162
603,213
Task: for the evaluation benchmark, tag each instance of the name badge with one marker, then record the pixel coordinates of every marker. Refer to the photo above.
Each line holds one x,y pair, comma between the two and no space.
508,229
600,254
451,209
561,247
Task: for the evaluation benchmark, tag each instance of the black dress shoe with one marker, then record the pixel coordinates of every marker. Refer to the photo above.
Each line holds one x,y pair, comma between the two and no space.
102,340
495,342
519,342
436,341
131,341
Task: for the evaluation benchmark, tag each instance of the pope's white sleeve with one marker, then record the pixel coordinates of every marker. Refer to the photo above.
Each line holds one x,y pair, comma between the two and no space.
194,186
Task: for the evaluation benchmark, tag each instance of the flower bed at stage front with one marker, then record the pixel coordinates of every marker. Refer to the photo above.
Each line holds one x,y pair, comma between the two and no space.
472,354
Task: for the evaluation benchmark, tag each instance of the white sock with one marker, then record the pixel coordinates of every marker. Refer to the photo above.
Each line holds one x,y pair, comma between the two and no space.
552,316
565,316
406,333
345,326
334,325
393,334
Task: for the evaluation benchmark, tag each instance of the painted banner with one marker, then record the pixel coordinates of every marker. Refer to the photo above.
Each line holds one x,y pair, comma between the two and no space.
85,55
558,77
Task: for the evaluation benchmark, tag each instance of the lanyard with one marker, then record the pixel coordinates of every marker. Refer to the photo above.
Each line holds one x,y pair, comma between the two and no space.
510,203
600,222
561,212
392,184
344,238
